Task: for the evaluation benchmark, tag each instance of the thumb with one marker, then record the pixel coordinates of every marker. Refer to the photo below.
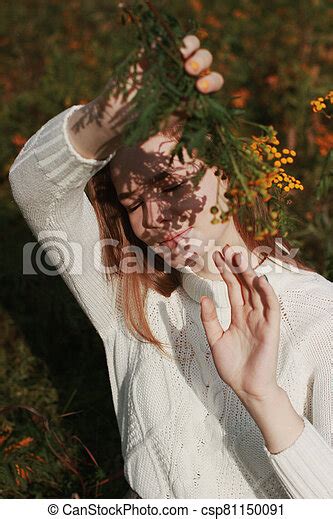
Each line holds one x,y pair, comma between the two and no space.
213,329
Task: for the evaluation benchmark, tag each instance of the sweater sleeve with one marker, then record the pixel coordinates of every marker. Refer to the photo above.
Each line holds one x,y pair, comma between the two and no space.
306,467
47,180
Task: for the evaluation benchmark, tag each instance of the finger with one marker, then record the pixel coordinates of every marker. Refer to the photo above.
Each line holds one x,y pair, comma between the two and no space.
242,268
210,83
233,286
200,60
213,329
191,44
268,296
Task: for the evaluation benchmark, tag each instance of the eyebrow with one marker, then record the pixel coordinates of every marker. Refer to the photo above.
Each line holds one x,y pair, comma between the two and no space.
156,178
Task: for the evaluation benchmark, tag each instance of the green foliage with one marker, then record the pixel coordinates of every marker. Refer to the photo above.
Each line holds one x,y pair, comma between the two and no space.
33,460
40,456
166,89
211,128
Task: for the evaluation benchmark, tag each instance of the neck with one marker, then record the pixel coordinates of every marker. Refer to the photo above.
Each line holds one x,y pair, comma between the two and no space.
232,237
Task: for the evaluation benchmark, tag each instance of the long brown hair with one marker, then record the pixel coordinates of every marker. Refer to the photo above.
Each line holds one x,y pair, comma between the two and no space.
114,224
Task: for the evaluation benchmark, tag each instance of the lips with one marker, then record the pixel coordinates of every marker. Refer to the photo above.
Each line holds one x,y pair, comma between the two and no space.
169,239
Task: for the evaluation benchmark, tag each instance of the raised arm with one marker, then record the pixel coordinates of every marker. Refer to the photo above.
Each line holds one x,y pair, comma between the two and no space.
49,176
47,180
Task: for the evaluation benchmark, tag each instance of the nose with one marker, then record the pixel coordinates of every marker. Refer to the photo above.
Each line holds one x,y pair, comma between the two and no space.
153,214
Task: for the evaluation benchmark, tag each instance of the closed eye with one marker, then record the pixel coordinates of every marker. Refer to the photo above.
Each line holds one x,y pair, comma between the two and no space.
173,188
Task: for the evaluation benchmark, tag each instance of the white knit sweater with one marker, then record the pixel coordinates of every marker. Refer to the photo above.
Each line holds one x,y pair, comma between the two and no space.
184,432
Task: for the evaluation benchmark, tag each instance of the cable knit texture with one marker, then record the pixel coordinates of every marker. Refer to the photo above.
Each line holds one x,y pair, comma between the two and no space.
184,432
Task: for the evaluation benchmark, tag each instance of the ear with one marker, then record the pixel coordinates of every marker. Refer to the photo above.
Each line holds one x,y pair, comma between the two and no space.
224,182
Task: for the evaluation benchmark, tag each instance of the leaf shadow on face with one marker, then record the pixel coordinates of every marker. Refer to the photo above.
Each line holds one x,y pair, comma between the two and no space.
173,211
134,169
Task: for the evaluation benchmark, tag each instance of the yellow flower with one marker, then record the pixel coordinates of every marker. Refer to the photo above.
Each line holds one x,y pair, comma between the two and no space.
277,163
318,104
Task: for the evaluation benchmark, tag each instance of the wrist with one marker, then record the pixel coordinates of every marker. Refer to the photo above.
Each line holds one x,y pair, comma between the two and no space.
270,396
87,132
276,418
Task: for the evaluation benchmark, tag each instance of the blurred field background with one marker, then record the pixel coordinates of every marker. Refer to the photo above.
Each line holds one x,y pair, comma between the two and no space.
58,431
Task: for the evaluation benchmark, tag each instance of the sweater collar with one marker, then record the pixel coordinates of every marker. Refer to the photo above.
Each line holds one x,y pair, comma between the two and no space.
196,286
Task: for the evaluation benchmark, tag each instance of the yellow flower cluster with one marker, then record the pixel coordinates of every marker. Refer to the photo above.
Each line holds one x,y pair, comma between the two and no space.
264,148
264,233
319,103
279,176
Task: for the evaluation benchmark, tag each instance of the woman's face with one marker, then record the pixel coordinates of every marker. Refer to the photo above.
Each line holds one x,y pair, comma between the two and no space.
164,206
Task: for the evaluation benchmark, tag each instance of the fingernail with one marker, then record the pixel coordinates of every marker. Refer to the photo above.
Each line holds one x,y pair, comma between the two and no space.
237,258
225,248
204,84
194,65
217,255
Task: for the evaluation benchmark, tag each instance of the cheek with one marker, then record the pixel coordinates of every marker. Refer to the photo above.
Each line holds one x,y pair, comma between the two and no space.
193,206
214,195
206,196
135,222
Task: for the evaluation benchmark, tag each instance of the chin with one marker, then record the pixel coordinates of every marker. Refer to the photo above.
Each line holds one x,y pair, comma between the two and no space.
177,256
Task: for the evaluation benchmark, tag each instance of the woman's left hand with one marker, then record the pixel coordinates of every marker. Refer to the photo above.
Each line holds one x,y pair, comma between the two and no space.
245,355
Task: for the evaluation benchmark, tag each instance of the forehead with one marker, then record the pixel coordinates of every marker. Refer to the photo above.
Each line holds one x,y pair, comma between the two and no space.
139,165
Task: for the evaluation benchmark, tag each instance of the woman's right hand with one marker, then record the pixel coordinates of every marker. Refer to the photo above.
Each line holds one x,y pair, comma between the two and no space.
197,60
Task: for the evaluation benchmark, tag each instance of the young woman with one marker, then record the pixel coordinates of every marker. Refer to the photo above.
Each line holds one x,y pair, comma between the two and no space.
225,396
